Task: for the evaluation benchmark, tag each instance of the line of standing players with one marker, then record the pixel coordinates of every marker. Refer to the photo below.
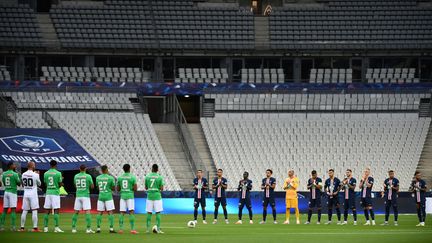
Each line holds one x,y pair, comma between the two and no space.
331,189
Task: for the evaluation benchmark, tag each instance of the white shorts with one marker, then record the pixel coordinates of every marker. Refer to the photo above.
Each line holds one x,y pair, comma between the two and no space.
52,202
10,200
30,203
82,203
154,206
127,204
105,206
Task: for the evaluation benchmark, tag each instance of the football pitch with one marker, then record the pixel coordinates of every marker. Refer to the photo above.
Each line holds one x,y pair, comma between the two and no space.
176,230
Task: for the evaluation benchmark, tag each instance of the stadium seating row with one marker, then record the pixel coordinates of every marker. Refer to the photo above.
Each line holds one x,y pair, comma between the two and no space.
72,100
353,24
262,75
391,75
152,24
99,74
343,102
202,75
254,142
18,26
330,75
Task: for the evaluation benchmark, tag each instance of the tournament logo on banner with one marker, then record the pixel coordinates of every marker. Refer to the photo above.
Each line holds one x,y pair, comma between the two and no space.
42,145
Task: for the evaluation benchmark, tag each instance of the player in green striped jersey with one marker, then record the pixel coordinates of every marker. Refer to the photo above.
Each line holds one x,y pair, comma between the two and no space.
154,184
126,185
53,180
10,181
106,185
83,182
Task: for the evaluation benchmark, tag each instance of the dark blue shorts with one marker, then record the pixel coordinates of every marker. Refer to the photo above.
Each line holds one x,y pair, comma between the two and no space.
366,202
392,202
200,201
269,200
349,203
245,201
315,203
220,201
334,201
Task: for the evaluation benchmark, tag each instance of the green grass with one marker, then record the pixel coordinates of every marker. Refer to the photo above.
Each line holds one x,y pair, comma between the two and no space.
175,230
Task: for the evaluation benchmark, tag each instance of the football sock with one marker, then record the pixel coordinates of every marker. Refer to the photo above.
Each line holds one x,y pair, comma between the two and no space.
309,215
372,214
225,212
396,213
354,211
366,213
35,218
250,212
204,214
56,219
111,220
319,215
195,213
264,215
98,220
3,217
297,213
158,220
121,221
274,213
46,219
88,220
13,218
74,220
338,213
23,218
132,221
330,214
149,216
287,214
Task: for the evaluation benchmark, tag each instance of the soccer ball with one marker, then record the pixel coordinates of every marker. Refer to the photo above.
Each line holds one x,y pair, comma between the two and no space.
155,229
191,224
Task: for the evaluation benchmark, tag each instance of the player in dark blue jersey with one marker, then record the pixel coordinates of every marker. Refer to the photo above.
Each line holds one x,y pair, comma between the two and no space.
200,185
419,188
245,186
348,186
268,185
366,184
314,185
390,194
332,187
220,184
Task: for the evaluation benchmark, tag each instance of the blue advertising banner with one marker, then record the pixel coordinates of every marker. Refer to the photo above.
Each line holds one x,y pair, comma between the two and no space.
42,145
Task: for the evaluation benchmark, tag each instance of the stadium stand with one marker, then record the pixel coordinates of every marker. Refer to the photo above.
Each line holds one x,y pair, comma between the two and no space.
391,75
4,73
72,100
330,75
152,24
99,74
262,75
303,102
181,25
30,119
116,138
18,27
355,24
202,75
254,142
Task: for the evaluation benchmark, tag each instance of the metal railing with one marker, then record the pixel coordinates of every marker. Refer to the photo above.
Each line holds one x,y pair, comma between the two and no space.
7,113
176,116
50,120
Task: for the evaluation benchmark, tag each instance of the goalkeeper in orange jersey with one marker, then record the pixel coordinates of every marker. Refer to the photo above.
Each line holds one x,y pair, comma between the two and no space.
290,186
